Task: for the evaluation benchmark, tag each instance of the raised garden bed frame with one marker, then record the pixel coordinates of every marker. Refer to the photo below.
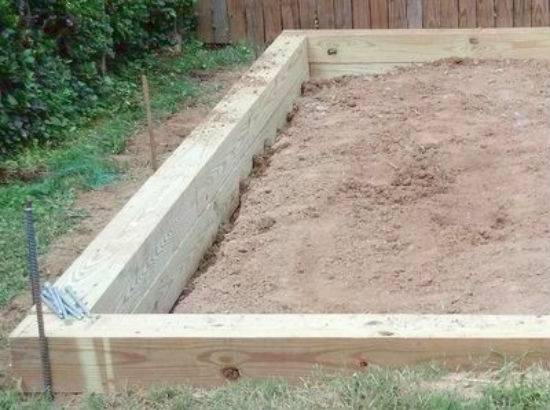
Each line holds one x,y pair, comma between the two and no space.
135,269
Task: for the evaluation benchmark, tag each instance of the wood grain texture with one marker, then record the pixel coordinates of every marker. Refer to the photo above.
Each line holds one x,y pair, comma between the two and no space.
402,46
522,13
397,13
220,19
540,13
120,351
308,14
273,24
325,13
361,13
343,16
142,259
449,14
504,13
504,10
205,25
327,71
414,13
237,19
485,13
431,13
379,14
255,22
213,26
290,11
467,13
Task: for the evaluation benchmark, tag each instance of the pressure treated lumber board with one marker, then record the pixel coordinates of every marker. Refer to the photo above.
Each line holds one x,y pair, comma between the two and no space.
162,294
361,48
117,351
159,237
326,71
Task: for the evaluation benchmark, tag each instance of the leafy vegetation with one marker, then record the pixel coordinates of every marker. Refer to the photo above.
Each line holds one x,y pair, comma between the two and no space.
58,59
425,388
52,175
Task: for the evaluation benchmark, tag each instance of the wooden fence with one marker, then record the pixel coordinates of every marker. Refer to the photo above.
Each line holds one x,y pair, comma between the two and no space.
260,21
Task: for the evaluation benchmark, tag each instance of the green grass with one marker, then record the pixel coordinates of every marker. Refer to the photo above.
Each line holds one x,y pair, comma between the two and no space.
424,388
83,161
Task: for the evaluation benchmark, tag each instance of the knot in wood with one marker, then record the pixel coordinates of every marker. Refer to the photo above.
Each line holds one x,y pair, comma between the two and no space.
231,373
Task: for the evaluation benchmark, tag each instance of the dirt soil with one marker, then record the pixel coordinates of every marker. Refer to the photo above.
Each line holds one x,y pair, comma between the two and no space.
101,205
424,190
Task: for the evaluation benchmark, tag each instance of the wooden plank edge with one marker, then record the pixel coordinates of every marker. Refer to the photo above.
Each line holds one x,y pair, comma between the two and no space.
187,258
117,351
326,71
412,45
429,32
138,245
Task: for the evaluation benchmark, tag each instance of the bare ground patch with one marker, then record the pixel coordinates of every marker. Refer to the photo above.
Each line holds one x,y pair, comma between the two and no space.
424,190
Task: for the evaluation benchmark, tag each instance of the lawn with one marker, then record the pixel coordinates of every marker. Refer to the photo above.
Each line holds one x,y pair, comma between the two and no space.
422,388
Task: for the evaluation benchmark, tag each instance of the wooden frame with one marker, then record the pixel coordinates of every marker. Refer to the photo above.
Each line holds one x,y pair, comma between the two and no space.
134,271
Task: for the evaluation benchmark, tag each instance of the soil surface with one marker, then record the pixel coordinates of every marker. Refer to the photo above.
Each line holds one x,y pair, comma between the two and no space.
424,190
101,205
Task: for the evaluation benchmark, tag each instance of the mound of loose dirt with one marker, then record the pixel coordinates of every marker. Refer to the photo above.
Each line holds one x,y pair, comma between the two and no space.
423,190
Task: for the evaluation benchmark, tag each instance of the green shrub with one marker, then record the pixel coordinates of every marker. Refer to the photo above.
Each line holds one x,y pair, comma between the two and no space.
55,58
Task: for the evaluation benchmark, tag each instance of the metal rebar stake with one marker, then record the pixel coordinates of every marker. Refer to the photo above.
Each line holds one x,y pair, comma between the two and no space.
34,276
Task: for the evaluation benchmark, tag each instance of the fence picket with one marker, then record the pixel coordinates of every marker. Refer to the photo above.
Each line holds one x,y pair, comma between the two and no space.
261,21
